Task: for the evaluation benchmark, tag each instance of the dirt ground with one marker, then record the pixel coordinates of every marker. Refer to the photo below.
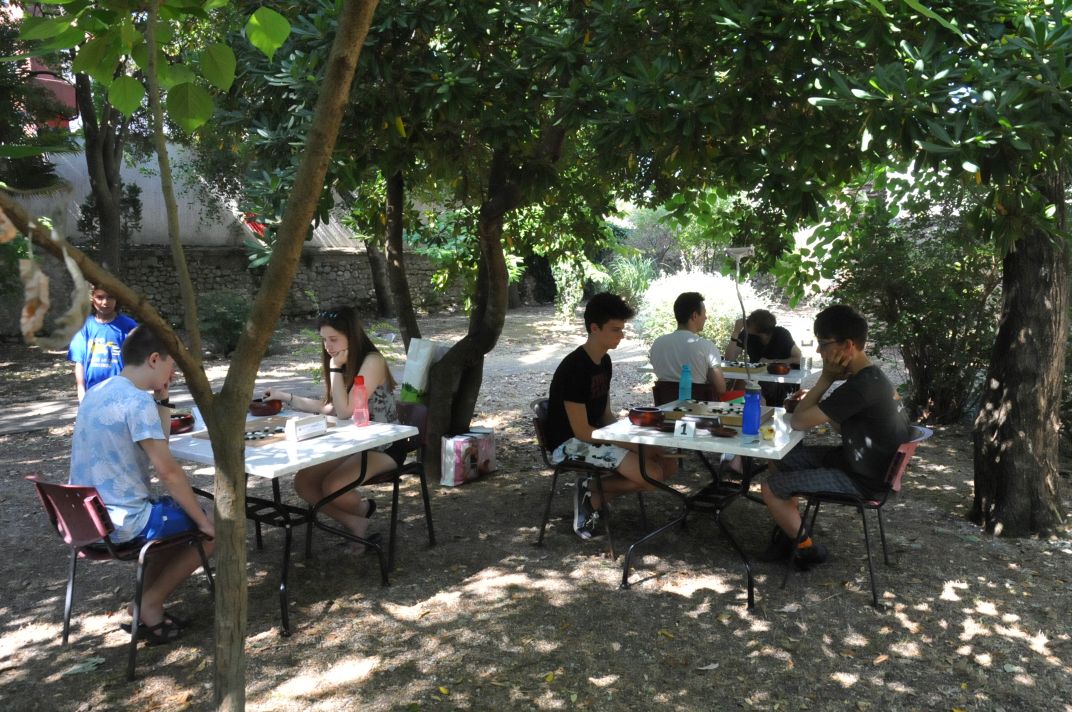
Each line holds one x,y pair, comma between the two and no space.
485,620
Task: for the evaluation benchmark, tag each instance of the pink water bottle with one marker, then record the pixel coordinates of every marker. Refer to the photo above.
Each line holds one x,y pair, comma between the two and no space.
359,401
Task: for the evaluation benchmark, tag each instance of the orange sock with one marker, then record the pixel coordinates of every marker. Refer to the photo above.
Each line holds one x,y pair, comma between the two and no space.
804,543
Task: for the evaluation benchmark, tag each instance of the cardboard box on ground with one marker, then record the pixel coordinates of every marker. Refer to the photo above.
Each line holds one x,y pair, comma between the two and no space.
467,457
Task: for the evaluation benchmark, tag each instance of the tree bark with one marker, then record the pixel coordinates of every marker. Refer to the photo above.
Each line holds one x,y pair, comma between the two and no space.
1017,428
225,413
167,186
104,139
396,262
454,381
385,304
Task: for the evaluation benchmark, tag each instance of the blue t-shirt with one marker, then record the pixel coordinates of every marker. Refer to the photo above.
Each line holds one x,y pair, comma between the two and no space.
97,347
112,420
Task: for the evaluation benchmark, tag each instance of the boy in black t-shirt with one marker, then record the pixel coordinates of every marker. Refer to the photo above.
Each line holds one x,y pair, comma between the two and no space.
865,409
579,403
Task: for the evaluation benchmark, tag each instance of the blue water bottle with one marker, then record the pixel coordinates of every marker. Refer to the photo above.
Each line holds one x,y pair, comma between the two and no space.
684,384
750,417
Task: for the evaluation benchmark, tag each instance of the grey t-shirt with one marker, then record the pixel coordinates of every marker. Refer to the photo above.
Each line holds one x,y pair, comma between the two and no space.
873,424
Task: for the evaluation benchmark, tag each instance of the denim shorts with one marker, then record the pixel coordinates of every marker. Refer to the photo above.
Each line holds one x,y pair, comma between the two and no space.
166,519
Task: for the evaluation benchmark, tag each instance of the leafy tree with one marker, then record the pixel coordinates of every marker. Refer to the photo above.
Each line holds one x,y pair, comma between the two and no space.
224,412
929,282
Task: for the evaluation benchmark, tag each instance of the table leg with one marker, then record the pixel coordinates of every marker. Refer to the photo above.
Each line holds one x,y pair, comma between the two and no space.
653,534
339,531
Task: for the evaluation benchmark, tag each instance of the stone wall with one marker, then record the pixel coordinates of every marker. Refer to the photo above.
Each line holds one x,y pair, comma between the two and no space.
325,277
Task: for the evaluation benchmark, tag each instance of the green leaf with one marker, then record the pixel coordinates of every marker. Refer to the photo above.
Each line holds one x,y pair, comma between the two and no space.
175,74
927,12
216,4
189,106
98,58
267,30
125,94
42,28
218,65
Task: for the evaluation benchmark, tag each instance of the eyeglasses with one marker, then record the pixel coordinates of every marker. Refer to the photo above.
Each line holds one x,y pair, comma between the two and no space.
821,343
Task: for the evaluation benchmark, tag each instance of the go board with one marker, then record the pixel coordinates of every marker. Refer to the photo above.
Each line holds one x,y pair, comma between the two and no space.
727,413
263,431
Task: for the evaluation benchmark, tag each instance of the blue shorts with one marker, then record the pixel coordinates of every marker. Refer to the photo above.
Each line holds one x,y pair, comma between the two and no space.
167,519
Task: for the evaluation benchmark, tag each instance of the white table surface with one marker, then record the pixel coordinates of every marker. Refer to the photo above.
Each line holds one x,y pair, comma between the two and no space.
759,373
785,438
285,458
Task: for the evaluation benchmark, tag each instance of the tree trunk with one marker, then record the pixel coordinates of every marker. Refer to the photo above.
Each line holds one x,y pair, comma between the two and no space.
454,381
396,263
385,305
104,139
1016,431
167,186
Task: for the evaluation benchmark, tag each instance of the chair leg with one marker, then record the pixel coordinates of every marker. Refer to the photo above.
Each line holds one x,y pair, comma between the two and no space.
882,535
394,527
800,532
284,613
870,566
643,511
206,567
606,512
70,595
135,623
547,507
427,508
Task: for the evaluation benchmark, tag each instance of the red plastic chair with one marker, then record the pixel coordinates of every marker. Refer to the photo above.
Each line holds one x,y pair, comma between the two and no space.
78,515
894,477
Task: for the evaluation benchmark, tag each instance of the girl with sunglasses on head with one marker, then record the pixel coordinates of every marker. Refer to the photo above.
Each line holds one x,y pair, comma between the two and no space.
347,352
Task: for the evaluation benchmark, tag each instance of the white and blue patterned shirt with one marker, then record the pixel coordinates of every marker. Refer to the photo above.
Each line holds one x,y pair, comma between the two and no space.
112,419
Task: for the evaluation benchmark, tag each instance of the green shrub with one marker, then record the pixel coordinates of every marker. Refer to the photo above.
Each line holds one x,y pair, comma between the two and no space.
655,315
630,275
223,316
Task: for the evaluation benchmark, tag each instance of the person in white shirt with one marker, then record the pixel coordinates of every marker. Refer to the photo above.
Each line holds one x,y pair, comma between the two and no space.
685,346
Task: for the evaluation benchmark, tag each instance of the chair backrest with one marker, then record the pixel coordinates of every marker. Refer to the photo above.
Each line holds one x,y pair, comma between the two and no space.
904,453
76,512
666,391
540,408
415,414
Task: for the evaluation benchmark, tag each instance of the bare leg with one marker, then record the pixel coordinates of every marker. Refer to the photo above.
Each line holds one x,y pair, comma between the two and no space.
163,575
656,466
784,511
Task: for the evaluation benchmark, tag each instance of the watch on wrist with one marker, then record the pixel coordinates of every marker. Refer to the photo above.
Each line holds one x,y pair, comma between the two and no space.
166,402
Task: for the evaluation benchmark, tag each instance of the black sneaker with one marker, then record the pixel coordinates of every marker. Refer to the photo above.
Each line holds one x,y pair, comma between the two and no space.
780,547
812,556
582,510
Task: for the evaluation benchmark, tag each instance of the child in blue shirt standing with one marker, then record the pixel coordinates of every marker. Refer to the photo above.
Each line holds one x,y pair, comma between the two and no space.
95,349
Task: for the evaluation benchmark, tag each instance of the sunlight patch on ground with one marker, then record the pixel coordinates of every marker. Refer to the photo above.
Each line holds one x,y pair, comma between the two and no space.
972,629
986,608
845,679
948,592
30,636
443,601
906,649
688,586
312,683
545,354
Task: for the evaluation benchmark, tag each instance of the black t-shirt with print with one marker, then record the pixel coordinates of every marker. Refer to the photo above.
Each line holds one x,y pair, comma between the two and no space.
577,380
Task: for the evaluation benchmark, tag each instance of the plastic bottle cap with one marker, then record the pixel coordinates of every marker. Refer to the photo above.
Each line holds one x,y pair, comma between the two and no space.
359,380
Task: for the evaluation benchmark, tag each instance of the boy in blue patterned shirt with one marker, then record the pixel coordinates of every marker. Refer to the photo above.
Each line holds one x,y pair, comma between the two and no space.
119,432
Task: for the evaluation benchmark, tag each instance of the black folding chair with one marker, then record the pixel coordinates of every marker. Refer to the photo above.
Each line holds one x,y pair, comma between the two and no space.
581,469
